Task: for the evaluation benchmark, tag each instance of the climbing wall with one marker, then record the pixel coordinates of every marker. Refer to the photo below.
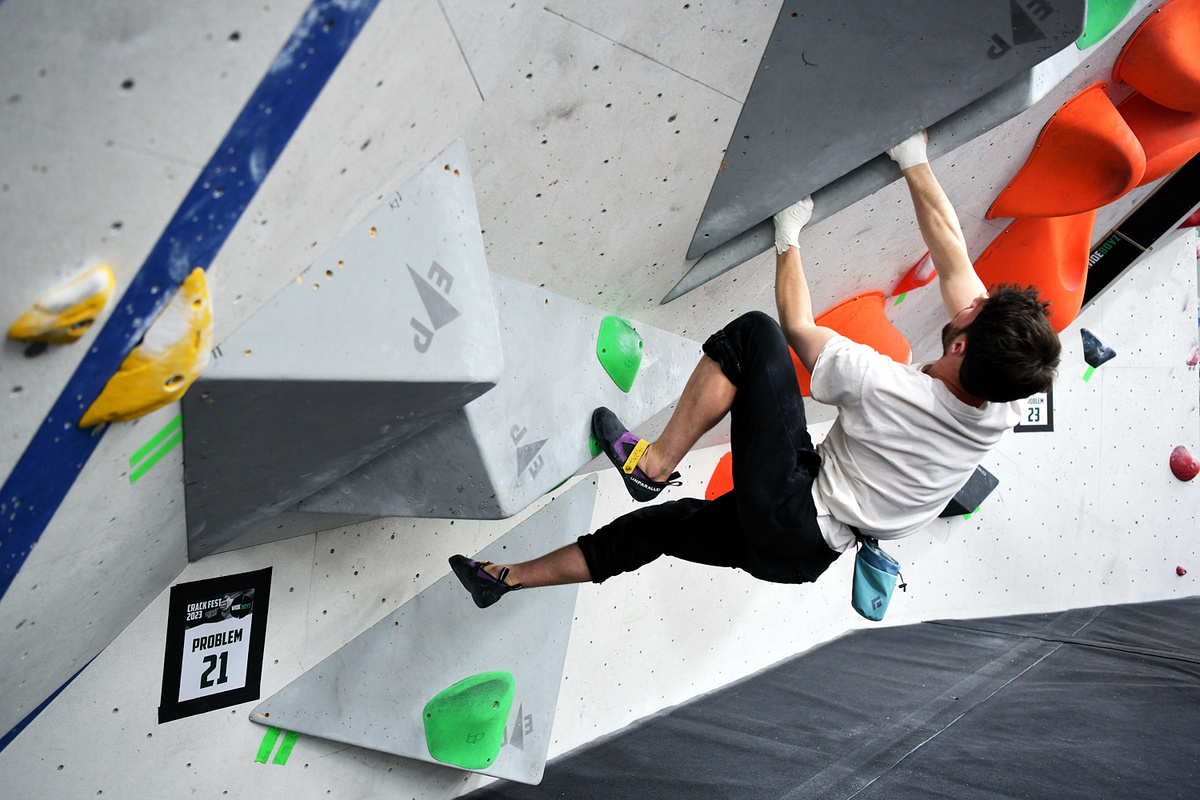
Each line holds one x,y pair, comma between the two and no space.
100,152
593,134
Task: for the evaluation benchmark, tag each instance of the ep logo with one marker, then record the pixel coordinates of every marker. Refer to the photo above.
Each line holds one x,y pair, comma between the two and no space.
437,307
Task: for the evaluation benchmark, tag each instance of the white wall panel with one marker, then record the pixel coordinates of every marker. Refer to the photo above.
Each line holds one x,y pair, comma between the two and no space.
108,551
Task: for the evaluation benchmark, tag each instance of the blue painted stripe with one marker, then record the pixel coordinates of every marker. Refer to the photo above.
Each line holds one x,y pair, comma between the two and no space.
56,455
32,715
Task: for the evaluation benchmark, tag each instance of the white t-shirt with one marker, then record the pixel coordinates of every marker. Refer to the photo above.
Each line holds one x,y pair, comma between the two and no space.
901,447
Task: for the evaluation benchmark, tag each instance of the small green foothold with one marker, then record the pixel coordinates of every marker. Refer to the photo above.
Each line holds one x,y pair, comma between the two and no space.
619,348
900,298
1087,374
464,724
594,446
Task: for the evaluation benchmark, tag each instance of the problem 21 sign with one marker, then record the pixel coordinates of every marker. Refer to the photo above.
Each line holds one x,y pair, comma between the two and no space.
215,633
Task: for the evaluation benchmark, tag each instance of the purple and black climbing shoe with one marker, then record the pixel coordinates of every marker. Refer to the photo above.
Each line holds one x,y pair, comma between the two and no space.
485,590
624,450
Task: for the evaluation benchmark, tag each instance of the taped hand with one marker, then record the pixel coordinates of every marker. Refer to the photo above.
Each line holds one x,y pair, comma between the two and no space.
911,151
789,222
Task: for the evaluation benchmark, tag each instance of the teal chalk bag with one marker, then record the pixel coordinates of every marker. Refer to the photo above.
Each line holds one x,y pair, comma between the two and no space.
875,578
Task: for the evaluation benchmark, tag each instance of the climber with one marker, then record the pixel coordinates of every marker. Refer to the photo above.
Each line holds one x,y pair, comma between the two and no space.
906,438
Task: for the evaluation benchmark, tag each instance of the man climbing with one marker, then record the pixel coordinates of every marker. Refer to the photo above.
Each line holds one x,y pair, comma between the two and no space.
906,438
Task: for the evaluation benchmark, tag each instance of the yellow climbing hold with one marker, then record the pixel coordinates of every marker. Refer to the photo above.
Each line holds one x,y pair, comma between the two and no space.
168,360
65,314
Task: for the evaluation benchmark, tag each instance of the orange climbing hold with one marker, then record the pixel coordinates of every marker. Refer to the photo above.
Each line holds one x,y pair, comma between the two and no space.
861,319
721,481
1050,253
1169,138
1162,57
1085,157
920,275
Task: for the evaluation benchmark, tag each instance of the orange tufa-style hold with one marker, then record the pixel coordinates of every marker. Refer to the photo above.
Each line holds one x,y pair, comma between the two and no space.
861,319
1050,253
1085,157
721,481
1169,138
1162,57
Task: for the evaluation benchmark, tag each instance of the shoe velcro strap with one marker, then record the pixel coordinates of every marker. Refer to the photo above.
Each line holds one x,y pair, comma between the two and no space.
635,455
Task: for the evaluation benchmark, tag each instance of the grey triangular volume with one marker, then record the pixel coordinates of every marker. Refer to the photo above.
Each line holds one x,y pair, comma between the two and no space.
372,692
906,70
437,307
471,466
401,380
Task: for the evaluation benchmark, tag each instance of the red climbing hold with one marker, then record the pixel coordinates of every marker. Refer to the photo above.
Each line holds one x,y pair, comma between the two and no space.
1183,465
1180,571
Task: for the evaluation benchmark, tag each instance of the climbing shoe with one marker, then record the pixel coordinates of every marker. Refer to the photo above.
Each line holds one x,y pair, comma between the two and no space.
624,450
485,590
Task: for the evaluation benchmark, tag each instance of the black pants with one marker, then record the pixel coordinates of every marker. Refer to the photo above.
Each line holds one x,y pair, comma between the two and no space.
767,525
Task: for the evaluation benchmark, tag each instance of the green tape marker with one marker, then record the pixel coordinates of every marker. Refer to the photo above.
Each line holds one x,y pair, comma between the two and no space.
152,451
145,449
285,749
1087,375
268,744
156,457
900,298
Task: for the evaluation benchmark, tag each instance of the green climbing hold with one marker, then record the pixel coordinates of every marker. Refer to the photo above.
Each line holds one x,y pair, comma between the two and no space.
594,445
1103,16
464,724
619,348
